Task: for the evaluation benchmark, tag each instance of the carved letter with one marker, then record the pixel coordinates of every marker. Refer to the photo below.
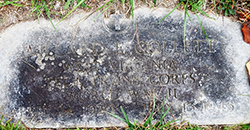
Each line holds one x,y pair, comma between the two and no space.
97,51
126,80
158,46
188,45
113,64
164,79
174,78
158,66
192,77
152,79
117,50
139,49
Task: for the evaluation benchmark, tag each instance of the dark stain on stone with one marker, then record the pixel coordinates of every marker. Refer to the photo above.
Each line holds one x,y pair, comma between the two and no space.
72,90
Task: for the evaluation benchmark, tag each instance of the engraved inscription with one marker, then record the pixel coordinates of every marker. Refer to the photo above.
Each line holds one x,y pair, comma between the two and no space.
100,78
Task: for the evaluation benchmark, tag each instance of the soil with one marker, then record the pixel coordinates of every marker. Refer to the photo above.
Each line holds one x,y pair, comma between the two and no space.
13,14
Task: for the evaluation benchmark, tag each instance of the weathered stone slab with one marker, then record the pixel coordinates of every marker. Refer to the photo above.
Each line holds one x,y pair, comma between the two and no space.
71,78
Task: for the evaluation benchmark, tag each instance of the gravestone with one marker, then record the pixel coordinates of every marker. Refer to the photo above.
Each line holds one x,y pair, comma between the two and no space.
74,77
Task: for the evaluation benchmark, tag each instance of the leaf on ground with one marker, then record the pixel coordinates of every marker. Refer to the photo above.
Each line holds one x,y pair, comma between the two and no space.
243,16
246,33
248,70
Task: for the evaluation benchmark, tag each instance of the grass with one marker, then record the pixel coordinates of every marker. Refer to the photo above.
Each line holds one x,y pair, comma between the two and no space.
1,20
223,7
10,126
148,123
168,125
78,5
7,2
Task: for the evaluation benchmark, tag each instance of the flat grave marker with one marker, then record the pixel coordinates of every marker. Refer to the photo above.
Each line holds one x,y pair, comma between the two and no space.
67,79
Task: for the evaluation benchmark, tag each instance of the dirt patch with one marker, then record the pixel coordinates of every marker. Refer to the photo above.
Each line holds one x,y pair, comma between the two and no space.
13,14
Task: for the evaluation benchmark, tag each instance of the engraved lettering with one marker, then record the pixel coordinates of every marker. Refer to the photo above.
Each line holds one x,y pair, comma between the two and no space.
184,77
151,45
157,65
188,46
135,80
103,81
98,49
113,64
126,80
172,65
139,48
118,51
164,79
153,80
91,109
94,95
174,79
192,78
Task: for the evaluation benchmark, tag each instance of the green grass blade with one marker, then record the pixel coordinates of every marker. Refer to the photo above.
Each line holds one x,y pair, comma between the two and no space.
123,2
71,11
150,122
116,116
166,112
7,122
204,13
103,5
83,4
131,2
134,122
18,5
246,126
169,13
84,18
232,128
17,126
11,126
32,4
126,117
111,2
47,12
163,115
185,25
87,5
163,126
1,120
202,27
162,109
215,9
157,124
155,2
33,11
2,20
189,17
149,118
37,9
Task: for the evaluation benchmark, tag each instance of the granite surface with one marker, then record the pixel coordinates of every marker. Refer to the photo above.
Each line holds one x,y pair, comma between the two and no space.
74,77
